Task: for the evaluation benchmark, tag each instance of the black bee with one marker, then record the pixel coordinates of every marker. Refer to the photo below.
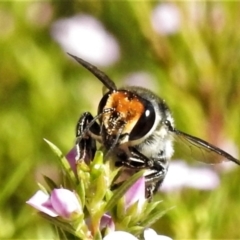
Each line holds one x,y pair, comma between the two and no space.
137,127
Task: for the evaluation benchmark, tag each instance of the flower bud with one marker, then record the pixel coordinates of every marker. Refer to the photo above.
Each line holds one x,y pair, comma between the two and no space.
62,202
65,203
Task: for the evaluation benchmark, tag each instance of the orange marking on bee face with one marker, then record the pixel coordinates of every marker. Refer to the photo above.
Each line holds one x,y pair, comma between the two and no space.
128,106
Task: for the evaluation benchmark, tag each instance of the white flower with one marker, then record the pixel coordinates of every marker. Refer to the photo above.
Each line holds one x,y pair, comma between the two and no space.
85,36
119,235
149,234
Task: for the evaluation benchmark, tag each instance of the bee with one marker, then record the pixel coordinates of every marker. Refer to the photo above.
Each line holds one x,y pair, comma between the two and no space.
137,127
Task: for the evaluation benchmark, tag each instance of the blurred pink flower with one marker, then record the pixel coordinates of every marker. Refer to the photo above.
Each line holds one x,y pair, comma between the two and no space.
142,79
62,202
166,18
85,36
181,175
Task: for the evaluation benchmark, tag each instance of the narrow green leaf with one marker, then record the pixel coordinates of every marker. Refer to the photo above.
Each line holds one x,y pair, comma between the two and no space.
98,236
122,190
145,212
136,230
96,165
61,234
42,188
84,178
81,193
62,225
55,149
63,161
151,206
133,211
112,170
68,227
154,217
51,184
124,224
99,187
120,211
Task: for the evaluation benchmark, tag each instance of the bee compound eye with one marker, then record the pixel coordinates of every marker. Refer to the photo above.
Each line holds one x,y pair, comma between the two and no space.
145,122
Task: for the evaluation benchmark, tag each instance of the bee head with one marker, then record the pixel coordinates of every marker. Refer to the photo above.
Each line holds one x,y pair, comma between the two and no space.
126,115
130,117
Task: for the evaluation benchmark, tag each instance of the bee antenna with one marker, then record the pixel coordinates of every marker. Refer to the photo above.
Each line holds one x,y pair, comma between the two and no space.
95,71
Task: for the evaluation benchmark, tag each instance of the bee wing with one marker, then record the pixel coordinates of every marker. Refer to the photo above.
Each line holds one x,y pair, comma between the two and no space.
201,150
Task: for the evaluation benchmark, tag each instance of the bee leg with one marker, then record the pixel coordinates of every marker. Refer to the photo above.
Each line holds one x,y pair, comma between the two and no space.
154,179
156,168
85,144
135,159
156,175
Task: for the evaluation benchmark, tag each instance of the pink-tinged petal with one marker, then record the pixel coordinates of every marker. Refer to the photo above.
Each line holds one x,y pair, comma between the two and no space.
41,202
150,234
71,157
107,222
135,193
119,235
65,203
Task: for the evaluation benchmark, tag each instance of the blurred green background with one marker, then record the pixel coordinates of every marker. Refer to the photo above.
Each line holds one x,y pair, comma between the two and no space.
188,52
